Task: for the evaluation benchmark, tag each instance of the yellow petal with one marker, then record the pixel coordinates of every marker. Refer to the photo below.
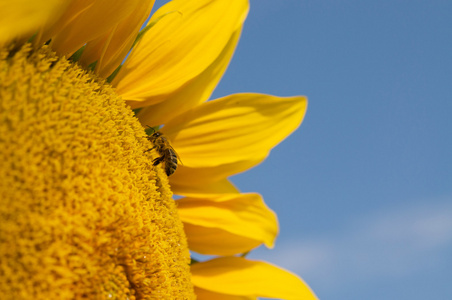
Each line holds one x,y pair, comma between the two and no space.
192,93
245,216
86,20
199,178
214,241
235,129
202,294
110,49
238,276
178,47
185,188
19,18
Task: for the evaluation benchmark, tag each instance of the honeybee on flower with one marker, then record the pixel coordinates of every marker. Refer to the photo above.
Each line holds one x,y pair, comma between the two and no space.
167,153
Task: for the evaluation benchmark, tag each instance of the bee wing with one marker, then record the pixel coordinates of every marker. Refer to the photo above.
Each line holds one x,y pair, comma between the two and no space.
177,155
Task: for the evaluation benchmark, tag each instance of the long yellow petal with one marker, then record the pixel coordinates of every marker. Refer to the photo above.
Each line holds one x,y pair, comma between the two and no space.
235,129
192,93
179,47
86,20
110,49
19,18
183,187
200,178
243,215
202,294
215,241
239,276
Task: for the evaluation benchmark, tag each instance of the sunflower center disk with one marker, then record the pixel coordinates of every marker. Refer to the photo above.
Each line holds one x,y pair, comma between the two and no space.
83,213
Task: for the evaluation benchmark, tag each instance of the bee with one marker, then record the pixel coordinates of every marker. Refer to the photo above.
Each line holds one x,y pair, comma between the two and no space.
167,153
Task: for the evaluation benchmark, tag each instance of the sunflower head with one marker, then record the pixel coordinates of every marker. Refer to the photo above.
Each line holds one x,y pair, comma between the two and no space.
86,208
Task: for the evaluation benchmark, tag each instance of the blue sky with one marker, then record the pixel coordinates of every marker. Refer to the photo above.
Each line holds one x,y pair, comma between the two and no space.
363,189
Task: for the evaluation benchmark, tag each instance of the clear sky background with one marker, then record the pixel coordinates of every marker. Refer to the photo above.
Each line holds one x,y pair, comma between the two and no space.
363,189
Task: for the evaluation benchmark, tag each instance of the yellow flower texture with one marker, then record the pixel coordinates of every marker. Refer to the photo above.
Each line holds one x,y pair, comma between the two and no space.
165,71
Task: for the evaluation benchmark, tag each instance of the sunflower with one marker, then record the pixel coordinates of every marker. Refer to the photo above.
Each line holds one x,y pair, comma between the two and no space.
85,212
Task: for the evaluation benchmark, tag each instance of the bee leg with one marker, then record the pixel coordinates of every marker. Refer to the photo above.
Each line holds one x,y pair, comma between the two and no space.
149,149
157,160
